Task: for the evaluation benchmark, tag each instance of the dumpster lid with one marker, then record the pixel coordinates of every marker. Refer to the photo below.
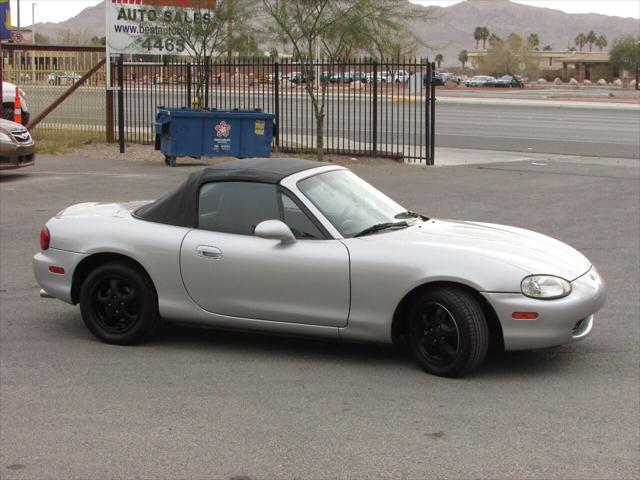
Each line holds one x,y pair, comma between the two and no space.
180,207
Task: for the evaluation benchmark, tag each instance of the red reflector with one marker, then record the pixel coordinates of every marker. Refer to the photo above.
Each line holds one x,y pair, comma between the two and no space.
45,237
524,315
55,269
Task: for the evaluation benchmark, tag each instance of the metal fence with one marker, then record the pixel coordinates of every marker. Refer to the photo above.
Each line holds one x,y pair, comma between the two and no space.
45,73
371,108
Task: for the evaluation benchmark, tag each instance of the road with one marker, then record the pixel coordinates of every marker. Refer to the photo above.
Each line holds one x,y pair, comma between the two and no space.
479,123
202,404
560,130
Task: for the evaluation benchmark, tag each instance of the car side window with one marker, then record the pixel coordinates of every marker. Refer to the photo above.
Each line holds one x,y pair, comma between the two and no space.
298,221
236,207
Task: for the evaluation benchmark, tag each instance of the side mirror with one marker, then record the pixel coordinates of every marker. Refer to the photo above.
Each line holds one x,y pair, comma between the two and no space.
274,230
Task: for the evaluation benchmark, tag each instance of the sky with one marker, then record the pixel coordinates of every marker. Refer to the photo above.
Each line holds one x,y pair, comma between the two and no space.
59,10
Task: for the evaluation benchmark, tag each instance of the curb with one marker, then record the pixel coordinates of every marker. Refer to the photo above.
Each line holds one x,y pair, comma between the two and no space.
538,103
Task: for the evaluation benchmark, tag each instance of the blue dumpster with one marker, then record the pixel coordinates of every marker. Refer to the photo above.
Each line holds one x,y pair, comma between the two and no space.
213,133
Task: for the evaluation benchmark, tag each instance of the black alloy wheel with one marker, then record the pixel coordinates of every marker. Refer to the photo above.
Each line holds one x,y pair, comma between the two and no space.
115,305
447,331
119,304
437,334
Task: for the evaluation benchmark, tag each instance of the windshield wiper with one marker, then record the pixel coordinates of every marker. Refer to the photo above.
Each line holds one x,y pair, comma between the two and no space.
409,214
381,226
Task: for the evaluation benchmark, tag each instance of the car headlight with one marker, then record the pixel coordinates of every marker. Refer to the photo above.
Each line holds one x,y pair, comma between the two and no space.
545,287
4,138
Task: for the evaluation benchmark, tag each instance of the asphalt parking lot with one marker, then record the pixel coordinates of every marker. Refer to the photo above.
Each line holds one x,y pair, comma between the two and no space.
199,404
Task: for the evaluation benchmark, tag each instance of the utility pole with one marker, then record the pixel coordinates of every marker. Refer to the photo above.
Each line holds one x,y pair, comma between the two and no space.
33,40
18,5
33,22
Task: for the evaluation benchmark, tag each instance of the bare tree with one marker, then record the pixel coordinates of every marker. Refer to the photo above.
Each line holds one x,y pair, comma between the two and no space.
333,29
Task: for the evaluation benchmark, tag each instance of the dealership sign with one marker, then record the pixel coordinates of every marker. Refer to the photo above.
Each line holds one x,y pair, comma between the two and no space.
154,27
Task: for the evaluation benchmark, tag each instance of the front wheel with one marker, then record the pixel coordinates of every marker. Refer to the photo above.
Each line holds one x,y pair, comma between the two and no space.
118,304
447,332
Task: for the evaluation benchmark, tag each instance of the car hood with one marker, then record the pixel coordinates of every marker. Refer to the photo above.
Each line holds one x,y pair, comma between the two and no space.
530,251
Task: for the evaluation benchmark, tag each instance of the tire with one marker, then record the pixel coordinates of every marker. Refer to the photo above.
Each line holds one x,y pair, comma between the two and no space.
170,160
447,332
118,304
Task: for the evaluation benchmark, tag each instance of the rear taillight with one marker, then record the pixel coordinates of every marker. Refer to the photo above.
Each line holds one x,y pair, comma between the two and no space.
45,238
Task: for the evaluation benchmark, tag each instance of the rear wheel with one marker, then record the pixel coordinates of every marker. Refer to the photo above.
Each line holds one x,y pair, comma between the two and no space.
118,304
447,332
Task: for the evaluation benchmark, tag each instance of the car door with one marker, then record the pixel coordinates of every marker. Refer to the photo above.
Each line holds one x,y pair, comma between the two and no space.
228,271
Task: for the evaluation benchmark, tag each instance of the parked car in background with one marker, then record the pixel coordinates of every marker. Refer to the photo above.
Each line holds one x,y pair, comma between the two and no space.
63,78
381,77
17,148
440,78
271,77
401,76
8,99
299,78
509,81
449,77
354,76
480,81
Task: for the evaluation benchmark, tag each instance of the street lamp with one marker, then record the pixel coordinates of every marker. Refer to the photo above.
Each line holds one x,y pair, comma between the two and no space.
33,22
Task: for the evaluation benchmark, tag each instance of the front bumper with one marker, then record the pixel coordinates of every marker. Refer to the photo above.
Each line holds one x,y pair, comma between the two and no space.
560,321
55,284
13,155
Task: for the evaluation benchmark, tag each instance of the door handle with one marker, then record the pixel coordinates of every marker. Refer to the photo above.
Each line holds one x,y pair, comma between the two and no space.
208,252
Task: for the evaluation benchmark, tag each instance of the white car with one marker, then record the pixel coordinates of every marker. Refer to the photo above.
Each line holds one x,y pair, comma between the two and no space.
381,77
401,76
292,246
63,78
8,99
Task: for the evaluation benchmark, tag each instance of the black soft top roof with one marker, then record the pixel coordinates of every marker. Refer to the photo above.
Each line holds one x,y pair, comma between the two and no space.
180,207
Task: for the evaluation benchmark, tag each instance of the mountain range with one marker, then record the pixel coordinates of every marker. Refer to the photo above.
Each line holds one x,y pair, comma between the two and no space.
447,29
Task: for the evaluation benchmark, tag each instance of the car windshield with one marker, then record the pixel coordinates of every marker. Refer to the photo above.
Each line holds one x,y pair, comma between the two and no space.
352,205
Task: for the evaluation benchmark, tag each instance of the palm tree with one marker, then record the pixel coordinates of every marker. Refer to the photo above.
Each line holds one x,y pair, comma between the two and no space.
463,56
494,40
601,42
547,48
477,36
439,59
484,36
533,41
591,39
581,40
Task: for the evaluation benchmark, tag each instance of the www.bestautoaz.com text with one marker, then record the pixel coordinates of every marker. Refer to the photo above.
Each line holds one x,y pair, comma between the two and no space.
171,30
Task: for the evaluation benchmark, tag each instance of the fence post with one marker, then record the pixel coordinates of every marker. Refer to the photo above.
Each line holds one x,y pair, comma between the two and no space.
427,116
206,82
121,102
111,134
433,116
189,85
374,132
276,100
1,80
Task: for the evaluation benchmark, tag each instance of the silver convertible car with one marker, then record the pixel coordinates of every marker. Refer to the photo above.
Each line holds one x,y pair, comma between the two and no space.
298,247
